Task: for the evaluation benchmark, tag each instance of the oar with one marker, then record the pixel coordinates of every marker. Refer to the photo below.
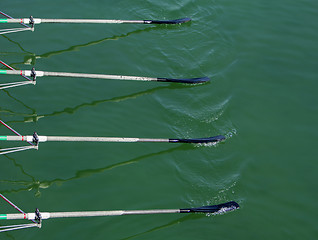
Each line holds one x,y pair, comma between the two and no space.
35,74
32,21
214,209
36,139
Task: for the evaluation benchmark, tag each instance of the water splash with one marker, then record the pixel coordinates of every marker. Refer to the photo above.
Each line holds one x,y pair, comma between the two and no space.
223,210
210,144
231,133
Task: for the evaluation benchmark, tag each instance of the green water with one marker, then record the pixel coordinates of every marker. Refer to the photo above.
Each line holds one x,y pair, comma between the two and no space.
261,57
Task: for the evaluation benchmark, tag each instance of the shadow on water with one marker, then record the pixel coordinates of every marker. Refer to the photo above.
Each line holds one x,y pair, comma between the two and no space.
3,110
170,224
34,116
36,185
30,58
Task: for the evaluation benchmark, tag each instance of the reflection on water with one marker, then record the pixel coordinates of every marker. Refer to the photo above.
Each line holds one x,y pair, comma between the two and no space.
30,58
37,185
34,116
170,224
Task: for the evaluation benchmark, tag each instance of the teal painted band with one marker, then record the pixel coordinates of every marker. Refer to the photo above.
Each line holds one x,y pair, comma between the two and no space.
3,20
3,216
3,138
3,71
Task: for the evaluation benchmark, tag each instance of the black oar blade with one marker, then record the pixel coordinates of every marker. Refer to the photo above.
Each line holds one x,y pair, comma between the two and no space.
176,21
216,209
199,140
188,81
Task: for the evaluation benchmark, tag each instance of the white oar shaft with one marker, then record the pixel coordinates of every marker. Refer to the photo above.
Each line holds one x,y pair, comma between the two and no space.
78,75
99,76
109,213
102,139
89,21
43,20
81,139
47,215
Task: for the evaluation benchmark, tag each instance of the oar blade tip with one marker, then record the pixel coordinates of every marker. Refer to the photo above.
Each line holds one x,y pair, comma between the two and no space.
214,209
218,138
181,20
176,21
187,81
214,139
199,80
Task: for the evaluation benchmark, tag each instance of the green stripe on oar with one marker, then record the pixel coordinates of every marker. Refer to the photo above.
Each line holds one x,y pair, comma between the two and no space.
3,216
3,20
3,138
3,71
